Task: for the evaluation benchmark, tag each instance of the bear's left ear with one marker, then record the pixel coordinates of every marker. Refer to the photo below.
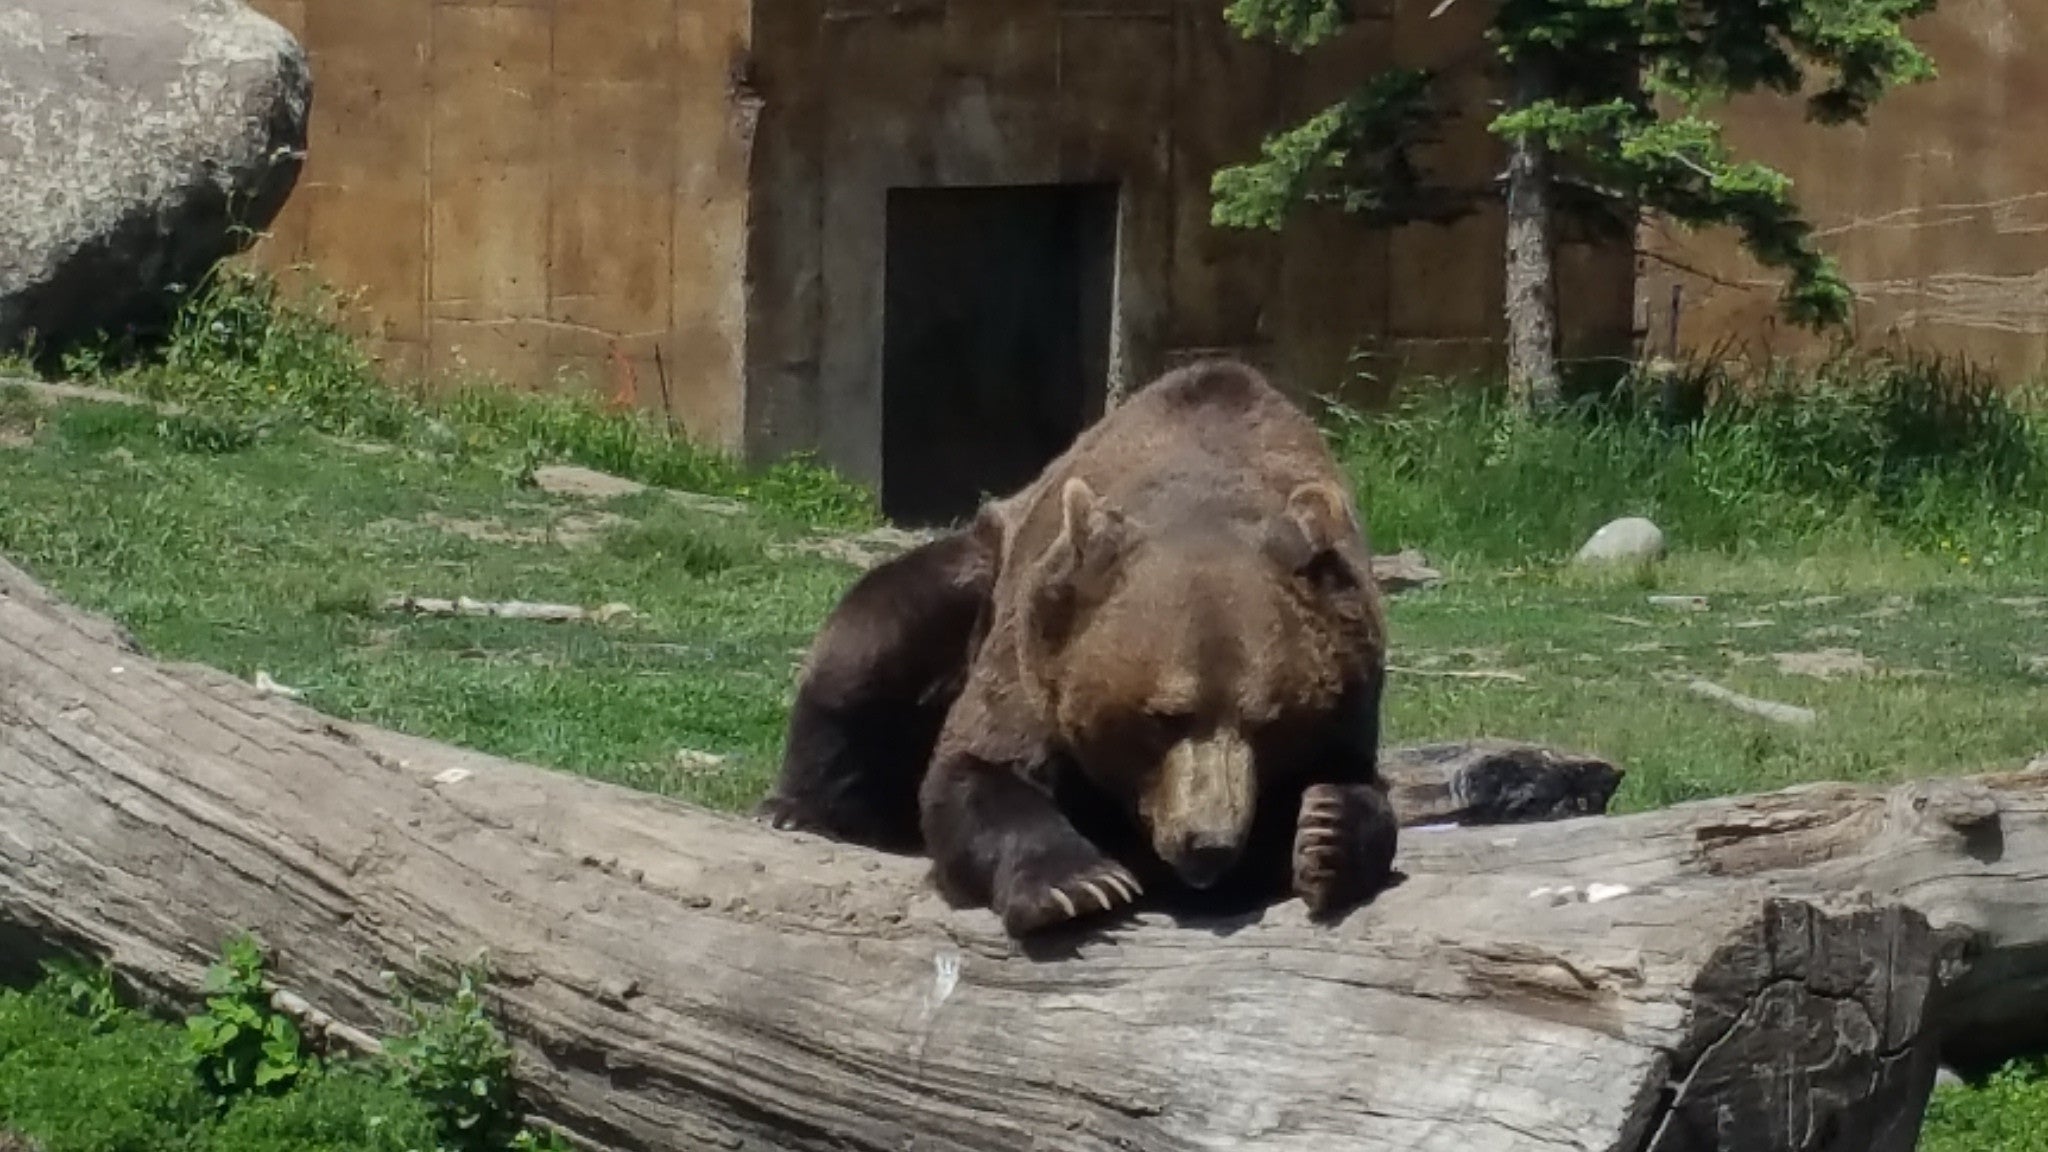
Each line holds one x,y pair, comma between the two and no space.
1091,530
1321,521
1071,573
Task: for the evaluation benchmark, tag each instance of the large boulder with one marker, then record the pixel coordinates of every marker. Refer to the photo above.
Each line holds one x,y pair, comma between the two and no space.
140,140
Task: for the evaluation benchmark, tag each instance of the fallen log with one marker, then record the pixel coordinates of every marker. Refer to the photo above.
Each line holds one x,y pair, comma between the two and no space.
1710,976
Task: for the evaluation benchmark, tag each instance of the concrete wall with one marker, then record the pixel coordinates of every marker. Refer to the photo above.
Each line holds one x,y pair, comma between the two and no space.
538,187
863,95
1938,208
532,187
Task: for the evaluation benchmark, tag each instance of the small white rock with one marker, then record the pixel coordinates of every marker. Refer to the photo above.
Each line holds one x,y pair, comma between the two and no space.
1629,538
1595,893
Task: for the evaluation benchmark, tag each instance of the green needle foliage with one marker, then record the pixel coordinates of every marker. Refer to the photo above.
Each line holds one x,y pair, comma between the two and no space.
1622,118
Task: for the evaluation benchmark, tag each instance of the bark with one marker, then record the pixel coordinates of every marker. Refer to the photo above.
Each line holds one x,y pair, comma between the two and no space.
1758,973
1531,253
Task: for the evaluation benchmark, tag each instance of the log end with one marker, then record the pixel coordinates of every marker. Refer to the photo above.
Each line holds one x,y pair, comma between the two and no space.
1497,782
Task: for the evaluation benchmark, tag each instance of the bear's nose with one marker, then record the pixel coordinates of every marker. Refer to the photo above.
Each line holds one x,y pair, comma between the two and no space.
1203,862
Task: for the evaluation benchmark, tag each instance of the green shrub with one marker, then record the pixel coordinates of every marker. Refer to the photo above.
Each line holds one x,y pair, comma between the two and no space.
348,1108
454,1061
240,1045
2008,1112
76,1084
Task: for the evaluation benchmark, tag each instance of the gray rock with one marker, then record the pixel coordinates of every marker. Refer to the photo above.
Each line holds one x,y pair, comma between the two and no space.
1404,570
140,140
1629,538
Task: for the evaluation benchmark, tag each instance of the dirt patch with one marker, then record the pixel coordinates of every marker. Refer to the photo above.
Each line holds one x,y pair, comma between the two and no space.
577,530
590,484
50,393
1892,608
1825,663
1806,602
864,550
12,437
587,483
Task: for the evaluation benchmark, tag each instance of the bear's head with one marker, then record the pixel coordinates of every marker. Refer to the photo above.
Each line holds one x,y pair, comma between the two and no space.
1184,664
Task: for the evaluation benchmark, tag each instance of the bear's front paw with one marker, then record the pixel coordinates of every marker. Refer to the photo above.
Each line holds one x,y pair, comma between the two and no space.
1343,846
1056,888
783,814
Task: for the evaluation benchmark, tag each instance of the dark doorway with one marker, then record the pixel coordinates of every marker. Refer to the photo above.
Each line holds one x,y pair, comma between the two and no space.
995,338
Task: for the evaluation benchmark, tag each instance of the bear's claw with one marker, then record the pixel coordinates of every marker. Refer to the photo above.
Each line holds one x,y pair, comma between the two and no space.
1106,887
783,816
1343,846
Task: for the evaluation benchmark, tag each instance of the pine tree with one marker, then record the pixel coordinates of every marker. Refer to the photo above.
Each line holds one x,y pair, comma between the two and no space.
1603,115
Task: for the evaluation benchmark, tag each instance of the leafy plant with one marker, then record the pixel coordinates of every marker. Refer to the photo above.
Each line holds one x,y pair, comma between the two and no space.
2007,1112
88,989
240,1044
454,1060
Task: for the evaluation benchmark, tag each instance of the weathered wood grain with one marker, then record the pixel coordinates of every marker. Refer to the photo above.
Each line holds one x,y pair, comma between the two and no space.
1767,979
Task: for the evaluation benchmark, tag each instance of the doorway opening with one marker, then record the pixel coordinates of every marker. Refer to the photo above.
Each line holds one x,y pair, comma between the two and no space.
995,338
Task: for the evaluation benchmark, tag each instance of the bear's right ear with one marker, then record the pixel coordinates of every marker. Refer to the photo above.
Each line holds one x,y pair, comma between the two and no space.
1312,542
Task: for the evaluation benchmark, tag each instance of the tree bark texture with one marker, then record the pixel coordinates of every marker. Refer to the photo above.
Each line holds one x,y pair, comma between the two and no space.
1768,973
1531,253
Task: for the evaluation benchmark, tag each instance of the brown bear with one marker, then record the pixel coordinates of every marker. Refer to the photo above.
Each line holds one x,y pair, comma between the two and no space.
1160,666
1180,682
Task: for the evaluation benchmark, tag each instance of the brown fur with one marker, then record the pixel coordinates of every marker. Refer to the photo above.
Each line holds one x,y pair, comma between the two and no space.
875,687
1179,684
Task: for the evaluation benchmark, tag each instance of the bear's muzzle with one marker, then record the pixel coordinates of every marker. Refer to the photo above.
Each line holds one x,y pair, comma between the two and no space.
1199,809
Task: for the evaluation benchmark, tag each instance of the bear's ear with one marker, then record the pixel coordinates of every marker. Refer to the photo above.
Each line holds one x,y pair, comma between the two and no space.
1092,536
1319,521
1090,530
985,537
1322,514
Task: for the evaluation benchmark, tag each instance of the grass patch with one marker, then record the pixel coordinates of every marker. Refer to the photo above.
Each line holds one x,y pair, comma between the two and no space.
1910,454
244,357
80,1072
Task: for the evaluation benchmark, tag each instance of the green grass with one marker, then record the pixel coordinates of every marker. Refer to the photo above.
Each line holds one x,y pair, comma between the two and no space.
1895,516
275,558
127,1085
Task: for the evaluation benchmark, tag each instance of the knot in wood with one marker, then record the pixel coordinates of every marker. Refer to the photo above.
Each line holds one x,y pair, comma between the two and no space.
1929,806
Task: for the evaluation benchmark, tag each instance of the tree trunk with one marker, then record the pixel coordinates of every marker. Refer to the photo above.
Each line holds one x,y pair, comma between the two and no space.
1531,256
678,979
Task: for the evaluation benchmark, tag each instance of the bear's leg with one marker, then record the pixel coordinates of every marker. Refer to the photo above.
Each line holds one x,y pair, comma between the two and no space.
885,667
1343,845
997,839
850,773
1346,830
